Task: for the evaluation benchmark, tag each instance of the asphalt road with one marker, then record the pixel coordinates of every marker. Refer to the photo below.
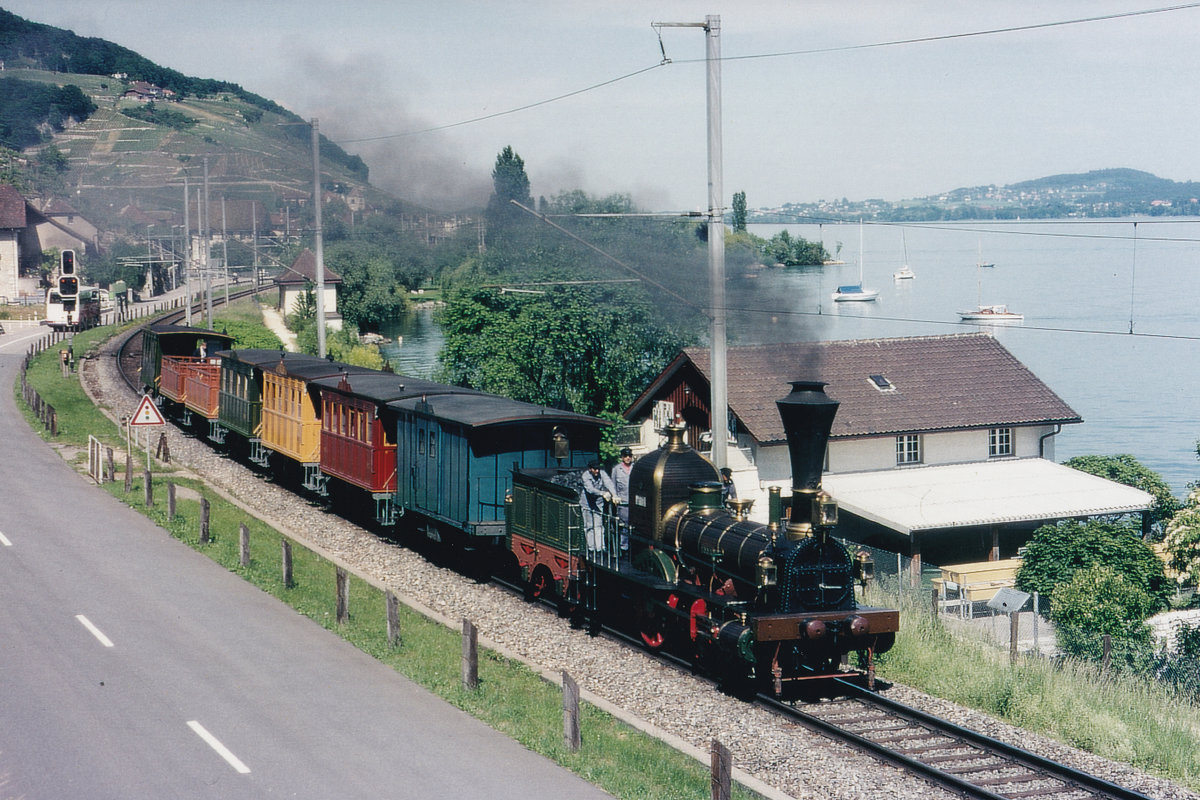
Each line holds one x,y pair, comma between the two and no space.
133,667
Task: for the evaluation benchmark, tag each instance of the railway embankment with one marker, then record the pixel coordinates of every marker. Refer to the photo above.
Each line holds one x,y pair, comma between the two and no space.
684,710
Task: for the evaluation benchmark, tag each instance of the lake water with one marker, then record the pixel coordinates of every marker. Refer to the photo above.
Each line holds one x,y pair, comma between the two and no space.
1079,284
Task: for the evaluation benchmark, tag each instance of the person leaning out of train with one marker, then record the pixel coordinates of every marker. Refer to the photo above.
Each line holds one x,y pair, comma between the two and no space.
728,490
620,480
597,490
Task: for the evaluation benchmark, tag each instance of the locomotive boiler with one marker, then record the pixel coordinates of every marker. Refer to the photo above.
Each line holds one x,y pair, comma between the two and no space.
767,604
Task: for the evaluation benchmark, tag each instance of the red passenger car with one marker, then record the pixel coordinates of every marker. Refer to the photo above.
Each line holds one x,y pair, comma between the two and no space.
358,432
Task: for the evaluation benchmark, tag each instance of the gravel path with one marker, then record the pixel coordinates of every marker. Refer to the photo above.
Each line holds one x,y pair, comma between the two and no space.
789,760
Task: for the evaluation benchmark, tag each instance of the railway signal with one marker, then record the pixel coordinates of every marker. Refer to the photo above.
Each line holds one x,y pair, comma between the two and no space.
68,281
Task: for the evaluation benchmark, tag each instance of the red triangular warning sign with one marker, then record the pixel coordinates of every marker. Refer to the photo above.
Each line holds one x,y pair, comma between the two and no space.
147,413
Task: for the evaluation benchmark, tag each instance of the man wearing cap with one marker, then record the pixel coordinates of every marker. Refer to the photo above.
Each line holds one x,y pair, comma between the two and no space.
620,479
597,490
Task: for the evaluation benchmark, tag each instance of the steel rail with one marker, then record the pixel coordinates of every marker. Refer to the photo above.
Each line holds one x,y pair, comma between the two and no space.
1068,778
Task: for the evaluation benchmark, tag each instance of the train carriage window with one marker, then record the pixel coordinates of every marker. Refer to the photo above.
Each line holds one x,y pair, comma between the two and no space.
420,442
433,444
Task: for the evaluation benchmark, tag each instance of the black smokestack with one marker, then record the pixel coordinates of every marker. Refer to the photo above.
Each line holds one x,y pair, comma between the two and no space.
807,415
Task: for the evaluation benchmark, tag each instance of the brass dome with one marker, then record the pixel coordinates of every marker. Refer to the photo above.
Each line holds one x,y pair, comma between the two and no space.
662,479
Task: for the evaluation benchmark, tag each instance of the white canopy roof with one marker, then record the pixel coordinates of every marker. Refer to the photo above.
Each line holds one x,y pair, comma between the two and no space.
983,493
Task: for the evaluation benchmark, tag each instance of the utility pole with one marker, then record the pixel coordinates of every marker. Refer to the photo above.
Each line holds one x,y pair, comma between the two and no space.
207,248
254,238
316,145
187,251
225,252
719,402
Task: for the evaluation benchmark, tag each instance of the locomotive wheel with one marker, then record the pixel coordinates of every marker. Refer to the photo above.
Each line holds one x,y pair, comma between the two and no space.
540,584
653,626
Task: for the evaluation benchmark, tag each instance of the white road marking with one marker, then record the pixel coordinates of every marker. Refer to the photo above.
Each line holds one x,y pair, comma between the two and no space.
221,749
87,623
4,540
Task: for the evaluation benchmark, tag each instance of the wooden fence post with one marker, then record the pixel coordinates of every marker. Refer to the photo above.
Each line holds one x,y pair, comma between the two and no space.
722,771
393,618
170,501
470,656
128,472
1014,627
1107,657
204,533
110,471
343,596
244,544
148,485
287,563
571,734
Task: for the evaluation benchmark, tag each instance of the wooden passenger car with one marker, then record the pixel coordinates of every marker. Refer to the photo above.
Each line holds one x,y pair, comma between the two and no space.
202,383
358,432
161,342
456,454
291,406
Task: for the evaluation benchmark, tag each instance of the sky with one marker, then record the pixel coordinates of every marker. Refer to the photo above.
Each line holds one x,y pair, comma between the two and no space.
821,99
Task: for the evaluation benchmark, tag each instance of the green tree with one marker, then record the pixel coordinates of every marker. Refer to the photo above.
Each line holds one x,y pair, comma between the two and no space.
509,183
1056,552
582,348
1183,538
1129,471
1098,600
739,212
370,295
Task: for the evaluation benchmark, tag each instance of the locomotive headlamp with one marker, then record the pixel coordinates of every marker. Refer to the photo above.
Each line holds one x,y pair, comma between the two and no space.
825,510
864,567
560,444
767,573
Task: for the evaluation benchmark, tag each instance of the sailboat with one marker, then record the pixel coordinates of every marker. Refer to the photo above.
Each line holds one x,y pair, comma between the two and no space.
855,291
991,313
980,262
904,273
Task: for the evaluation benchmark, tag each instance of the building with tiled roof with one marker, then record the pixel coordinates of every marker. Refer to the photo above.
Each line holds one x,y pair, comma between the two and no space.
957,414
301,277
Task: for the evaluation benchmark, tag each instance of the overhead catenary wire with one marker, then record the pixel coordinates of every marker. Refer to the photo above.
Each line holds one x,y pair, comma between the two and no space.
780,54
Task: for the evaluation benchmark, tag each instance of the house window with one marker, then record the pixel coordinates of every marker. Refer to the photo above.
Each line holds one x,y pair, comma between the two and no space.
908,449
1000,442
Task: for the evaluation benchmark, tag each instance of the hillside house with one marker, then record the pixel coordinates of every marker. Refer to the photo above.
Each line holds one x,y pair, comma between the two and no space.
301,277
942,447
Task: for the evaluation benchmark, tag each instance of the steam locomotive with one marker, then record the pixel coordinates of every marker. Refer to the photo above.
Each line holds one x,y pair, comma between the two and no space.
490,480
761,606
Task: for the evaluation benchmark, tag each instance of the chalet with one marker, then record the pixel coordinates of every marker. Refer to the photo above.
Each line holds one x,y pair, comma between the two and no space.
942,447
301,277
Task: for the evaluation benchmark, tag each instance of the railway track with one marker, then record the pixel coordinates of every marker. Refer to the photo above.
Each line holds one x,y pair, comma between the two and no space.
952,757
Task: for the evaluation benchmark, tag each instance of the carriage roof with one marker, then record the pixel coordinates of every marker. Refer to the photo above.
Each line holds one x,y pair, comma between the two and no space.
479,410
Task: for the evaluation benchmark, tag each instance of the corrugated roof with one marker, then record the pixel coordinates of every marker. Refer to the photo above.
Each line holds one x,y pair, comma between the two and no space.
981,493
938,383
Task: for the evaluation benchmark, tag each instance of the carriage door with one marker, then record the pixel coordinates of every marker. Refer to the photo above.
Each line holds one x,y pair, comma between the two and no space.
425,464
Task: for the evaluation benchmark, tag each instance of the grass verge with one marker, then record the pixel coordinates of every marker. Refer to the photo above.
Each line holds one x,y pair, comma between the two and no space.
1112,715
511,698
